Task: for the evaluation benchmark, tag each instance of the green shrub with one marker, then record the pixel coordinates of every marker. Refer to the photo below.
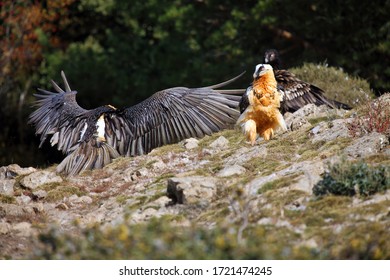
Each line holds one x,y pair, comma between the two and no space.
347,178
335,82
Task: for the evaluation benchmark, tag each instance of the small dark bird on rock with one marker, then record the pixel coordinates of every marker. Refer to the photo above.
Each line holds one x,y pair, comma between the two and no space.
296,93
93,138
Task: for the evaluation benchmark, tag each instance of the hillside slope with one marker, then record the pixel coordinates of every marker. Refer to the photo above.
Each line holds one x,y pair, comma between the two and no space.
319,190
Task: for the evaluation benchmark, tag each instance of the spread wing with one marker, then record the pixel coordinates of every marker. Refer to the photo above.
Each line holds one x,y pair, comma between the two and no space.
244,101
73,129
92,138
296,93
174,114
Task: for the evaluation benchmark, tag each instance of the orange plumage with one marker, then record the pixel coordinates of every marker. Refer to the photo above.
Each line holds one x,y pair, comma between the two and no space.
261,115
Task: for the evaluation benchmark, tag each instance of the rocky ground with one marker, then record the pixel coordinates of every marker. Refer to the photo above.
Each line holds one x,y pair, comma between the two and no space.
216,181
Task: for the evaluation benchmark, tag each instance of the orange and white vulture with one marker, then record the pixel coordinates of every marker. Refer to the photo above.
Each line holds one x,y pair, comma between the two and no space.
260,106
296,93
93,138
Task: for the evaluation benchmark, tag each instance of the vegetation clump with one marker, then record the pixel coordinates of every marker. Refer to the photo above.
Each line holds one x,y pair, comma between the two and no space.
349,179
374,116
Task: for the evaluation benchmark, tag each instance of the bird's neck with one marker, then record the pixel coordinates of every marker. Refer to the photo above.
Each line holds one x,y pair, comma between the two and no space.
265,83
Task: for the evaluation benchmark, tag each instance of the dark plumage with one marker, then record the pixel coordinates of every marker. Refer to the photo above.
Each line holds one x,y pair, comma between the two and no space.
92,138
295,92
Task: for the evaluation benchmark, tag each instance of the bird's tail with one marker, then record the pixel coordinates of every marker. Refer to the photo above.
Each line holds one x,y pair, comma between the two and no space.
321,99
340,105
86,157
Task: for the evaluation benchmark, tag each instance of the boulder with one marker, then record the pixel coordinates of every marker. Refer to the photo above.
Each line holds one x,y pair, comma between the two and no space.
39,178
191,190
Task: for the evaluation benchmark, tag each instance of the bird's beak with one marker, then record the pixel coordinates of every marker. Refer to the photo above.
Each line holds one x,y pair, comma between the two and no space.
260,70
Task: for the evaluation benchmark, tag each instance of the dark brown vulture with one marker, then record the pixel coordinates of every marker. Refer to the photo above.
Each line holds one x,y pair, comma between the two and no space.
295,92
93,138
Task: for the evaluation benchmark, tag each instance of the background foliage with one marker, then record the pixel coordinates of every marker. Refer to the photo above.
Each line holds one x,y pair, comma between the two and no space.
120,52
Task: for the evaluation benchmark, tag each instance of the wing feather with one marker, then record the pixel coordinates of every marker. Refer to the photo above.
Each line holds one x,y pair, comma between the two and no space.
166,117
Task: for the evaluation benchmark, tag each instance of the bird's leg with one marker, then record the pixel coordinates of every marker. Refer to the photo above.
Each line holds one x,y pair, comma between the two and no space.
250,131
268,134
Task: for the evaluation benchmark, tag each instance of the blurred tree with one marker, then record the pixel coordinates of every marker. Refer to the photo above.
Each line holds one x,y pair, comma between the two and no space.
23,29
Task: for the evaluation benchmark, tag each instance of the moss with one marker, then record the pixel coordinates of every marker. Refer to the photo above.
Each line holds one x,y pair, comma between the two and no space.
265,166
321,212
328,118
63,191
280,183
121,199
234,136
372,209
49,186
7,199
378,158
174,148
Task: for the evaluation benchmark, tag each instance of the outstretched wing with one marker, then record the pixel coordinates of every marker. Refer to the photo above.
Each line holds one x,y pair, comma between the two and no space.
92,138
296,93
73,129
56,115
174,114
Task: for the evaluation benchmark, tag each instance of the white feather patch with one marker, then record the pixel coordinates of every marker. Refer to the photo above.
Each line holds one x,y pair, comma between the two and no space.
82,132
100,128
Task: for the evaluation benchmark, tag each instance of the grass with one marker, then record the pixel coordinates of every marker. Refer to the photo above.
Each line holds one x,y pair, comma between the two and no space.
279,183
7,199
60,192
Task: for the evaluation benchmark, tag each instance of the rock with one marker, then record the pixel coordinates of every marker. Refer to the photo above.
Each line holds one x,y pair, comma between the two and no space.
62,206
14,211
310,110
158,165
22,229
220,144
3,172
367,145
191,143
142,216
295,123
191,190
39,208
40,194
135,175
5,227
13,170
256,184
79,200
328,131
17,170
39,178
244,154
7,186
23,199
231,170
310,174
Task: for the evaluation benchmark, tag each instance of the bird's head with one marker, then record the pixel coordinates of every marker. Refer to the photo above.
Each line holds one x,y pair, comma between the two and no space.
271,56
261,69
